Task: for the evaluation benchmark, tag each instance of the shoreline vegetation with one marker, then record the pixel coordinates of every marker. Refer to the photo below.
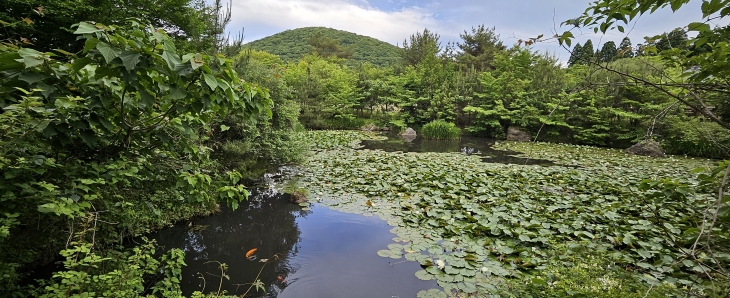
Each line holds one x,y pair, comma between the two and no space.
151,115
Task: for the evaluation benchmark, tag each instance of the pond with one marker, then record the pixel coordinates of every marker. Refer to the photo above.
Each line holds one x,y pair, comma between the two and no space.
479,227
393,218
314,253
469,145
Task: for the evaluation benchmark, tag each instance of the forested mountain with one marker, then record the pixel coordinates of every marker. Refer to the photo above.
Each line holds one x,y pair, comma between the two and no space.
293,44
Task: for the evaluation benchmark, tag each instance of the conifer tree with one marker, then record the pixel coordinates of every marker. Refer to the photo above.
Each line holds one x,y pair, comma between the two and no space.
574,54
586,54
625,49
479,47
608,52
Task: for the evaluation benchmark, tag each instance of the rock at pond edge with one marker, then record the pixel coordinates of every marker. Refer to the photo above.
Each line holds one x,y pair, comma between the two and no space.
409,132
646,148
515,134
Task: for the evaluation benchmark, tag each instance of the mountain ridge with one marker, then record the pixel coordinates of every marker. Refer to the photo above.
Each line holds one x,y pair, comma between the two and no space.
292,44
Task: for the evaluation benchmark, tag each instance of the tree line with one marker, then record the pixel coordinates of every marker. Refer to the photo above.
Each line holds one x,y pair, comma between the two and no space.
485,87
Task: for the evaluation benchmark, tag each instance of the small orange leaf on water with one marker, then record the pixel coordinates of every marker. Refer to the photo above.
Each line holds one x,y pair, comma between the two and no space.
250,252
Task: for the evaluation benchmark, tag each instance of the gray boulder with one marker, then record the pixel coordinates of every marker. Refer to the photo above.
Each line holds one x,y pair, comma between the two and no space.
370,127
409,132
409,135
515,134
646,148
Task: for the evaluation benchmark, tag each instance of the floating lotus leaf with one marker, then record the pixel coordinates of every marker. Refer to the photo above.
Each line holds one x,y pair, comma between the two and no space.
385,253
423,275
486,219
432,293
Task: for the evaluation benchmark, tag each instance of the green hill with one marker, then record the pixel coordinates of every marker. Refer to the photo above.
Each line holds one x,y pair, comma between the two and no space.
291,45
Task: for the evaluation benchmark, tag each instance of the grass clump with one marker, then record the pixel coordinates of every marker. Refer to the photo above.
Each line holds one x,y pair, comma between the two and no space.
440,130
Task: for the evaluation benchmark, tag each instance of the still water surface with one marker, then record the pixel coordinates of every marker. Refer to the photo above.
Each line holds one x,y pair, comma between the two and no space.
317,253
470,145
313,253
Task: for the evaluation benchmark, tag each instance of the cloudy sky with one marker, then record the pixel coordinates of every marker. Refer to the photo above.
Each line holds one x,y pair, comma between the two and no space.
394,20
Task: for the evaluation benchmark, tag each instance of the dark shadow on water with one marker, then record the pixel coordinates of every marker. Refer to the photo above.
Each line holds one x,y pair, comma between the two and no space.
467,145
318,253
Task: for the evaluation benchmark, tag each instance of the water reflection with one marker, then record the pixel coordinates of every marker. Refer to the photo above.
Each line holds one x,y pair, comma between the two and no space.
266,222
470,145
317,253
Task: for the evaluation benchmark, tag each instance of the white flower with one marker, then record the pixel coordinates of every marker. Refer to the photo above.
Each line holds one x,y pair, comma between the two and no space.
484,269
440,264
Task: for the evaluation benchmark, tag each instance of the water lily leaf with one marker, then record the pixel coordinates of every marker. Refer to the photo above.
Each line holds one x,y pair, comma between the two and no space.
384,253
423,275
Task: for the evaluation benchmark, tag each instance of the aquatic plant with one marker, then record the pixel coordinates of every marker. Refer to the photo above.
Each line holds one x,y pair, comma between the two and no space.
440,130
472,224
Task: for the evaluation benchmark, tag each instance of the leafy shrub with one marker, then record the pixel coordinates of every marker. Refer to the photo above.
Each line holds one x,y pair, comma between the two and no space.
440,130
398,126
275,140
345,121
123,126
696,138
116,274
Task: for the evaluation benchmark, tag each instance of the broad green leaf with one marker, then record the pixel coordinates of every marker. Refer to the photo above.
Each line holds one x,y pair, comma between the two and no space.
86,28
171,59
696,26
130,59
210,81
109,52
31,57
8,61
80,63
177,93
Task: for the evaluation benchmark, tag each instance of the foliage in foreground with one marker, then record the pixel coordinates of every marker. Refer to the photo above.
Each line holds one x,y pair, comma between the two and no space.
120,130
472,223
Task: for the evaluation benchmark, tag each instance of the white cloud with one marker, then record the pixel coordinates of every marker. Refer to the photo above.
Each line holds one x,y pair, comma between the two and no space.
395,20
354,16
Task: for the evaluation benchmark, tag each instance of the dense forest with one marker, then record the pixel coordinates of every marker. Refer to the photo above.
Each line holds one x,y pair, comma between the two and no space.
485,87
291,45
117,120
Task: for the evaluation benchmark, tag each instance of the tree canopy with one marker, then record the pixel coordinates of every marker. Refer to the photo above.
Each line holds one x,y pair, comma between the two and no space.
48,26
292,45
479,47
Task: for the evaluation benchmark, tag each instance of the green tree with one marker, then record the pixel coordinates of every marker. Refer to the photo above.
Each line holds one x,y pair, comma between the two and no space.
323,88
431,81
514,93
326,46
420,47
122,126
705,70
575,54
478,47
48,26
625,49
587,54
608,52
676,38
